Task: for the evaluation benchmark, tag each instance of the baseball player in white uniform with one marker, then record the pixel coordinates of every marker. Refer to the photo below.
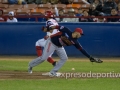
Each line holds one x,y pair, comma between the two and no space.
11,17
41,42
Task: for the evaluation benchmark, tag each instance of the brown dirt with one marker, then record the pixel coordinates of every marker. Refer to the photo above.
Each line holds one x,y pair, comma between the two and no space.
21,75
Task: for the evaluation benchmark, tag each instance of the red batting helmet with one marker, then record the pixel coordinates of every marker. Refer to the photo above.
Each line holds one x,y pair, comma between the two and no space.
49,14
79,30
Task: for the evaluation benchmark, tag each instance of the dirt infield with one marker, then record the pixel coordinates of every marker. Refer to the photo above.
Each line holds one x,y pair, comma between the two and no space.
21,75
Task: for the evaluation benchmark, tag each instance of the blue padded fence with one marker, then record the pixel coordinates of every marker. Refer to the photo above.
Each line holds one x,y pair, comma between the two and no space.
100,39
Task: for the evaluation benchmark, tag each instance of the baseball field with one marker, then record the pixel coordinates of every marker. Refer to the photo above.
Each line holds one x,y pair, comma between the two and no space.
77,74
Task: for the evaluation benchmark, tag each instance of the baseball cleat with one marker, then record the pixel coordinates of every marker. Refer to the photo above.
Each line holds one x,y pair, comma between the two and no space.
46,74
97,60
58,74
55,74
30,70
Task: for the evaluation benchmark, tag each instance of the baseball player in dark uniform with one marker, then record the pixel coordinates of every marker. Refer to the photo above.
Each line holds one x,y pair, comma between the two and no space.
56,42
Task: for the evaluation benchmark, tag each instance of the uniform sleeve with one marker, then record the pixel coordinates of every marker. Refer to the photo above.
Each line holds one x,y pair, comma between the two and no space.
63,29
49,23
79,47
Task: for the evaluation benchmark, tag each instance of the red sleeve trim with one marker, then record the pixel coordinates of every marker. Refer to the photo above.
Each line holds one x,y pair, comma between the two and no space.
57,27
59,33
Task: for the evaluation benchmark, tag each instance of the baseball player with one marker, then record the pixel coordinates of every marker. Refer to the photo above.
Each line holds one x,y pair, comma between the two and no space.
41,42
56,42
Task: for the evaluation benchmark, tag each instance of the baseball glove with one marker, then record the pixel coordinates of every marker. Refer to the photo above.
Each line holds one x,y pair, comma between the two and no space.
66,40
97,60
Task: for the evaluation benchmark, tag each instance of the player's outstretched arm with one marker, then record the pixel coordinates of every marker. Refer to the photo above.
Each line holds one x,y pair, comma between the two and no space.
97,60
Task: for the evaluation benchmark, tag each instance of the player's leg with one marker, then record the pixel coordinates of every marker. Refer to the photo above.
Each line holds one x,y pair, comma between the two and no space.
48,49
39,44
63,57
50,59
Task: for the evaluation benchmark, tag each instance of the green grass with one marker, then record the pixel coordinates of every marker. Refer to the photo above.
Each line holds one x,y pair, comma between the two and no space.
62,83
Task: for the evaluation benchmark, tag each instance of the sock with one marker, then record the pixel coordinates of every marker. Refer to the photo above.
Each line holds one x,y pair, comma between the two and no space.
50,60
39,50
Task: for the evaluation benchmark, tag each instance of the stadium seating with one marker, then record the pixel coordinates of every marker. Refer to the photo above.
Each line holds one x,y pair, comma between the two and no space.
39,10
85,6
30,6
59,6
23,11
80,2
44,6
73,6
6,11
15,6
4,1
4,6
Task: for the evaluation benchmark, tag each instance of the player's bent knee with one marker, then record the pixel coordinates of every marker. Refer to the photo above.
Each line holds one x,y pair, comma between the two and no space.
43,59
64,58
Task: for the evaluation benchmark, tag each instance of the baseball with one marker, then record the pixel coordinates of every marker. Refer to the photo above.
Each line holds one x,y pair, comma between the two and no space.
73,69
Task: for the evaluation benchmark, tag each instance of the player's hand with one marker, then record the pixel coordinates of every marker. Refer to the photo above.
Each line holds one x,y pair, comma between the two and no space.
44,29
97,60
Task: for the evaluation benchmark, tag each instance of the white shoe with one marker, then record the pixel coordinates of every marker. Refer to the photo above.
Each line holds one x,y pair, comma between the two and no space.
30,70
55,74
46,74
58,74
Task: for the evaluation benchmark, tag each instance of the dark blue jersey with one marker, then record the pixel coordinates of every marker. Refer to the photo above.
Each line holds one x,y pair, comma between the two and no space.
64,38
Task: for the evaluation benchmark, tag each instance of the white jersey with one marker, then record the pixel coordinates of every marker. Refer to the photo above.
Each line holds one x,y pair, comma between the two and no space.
52,22
13,20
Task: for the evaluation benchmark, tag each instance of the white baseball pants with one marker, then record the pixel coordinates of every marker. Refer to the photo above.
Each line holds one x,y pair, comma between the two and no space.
48,49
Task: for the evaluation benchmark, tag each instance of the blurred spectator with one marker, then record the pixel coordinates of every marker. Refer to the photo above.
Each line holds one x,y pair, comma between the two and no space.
93,1
118,9
66,1
83,19
53,1
60,14
108,5
101,18
11,17
1,14
113,13
93,11
35,1
17,2
22,2
117,1
90,1
45,1
71,16
98,4
12,1
38,1
80,12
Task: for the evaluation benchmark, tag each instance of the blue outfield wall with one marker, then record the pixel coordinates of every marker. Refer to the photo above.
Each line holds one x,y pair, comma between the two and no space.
100,39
